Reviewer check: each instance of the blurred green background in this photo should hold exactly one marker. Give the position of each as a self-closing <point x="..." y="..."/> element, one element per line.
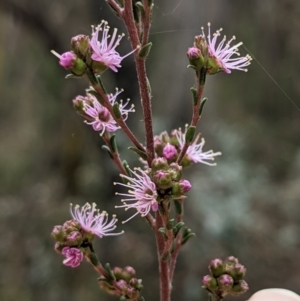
<point x="247" y="206"/>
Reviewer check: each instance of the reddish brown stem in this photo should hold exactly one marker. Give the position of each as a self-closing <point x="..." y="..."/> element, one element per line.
<point x="120" y="121"/>
<point x="116" y="7"/>
<point x="115" y="155"/>
<point x="142" y="77"/>
<point x="195" y="118"/>
<point x="165" y="285"/>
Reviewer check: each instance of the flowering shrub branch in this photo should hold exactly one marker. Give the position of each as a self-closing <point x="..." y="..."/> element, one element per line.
<point x="158" y="186"/>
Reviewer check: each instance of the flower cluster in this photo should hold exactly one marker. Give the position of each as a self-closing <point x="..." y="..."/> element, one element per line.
<point x="169" y="147"/>
<point x="97" y="115"/>
<point x="162" y="181"/>
<point x="74" y="235"/>
<point x="92" y="53"/>
<point x="226" y="277"/>
<point x="125" y="283"/>
<point x="206" y="52"/>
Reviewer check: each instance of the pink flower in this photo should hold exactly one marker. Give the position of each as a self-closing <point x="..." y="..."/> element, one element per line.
<point x="223" y="52"/>
<point x="102" y="120"/>
<point x="91" y="220"/>
<point x="104" y="50"/>
<point x="67" y="60"/>
<point x="73" y="257"/>
<point x="194" y="151"/>
<point x="185" y="185"/>
<point x="169" y="151"/>
<point x="142" y="192"/>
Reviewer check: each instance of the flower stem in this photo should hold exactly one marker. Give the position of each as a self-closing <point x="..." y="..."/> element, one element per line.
<point x="141" y="71"/>
<point x="200" y="81"/>
<point x="165" y="285"/>
<point x="115" y="154"/>
<point x="109" y="107"/>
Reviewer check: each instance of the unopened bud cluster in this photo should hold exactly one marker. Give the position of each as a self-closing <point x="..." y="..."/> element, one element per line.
<point x="225" y="277"/>
<point x="122" y="283"/>
<point x="170" y="146"/>
<point x="167" y="178"/>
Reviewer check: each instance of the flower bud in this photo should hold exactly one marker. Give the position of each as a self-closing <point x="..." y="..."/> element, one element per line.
<point x="159" y="163"/>
<point x="162" y="179"/>
<point x="74" y="239"/>
<point x="169" y="151"/>
<point x="118" y="272"/>
<point x="195" y="57"/>
<point x="80" y="44"/>
<point x="225" y="282"/>
<point x="78" y="104"/>
<point x="185" y="186"/>
<point x="71" y="225"/>
<point x="58" y="247"/>
<point x="130" y="271"/>
<point x="210" y="282"/>
<point x="136" y="283"/>
<point x="175" y="170"/>
<point x="70" y="61"/>
<point x="217" y="267"/>
<point x="58" y="233"/>
<point x="237" y="271"/>
<point x="239" y="288"/>
<point x="231" y="260"/>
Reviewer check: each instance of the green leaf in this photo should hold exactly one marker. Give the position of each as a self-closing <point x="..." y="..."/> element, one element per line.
<point x="203" y="101"/>
<point x="110" y="272"/>
<point x="145" y="50"/>
<point x="140" y="7"/>
<point x="163" y="231"/>
<point x="202" y="76"/>
<point x="194" y="92"/>
<point x="177" y="228"/>
<point x="126" y="167"/>
<point x="190" y="133"/>
<point x="116" y="111"/>
<point x="106" y="148"/>
<point x="142" y="154"/>
<point x="178" y="207"/>
<point x="71" y="75"/>
<point x="113" y="143"/>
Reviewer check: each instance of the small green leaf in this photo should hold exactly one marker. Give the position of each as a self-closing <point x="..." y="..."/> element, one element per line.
<point x="99" y="80"/>
<point x="187" y="234"/>
<point x="140" y="7"/>
<point x="142" y="154"/>
<point x="203" y="101"/>
<point x="145" y="50"/>
<point x="113" y="143"/>
<point x="170" y="224"/>
<point x="116" y="111"/>
<point x="177" y="228"/>
<point x="126" y="167"/>
<point x="192" y="67"/>
<point x="190" y="133"/>
<point x="110" y="272"/>
<point x="163" y="231"/>
<point x="71" y="75"/>
<point x="178" y="207"/>
<point x="194" y="92"/>
<point x="106" y="148"/>
<point x="149" y="86"/>
<point x="202" y="76"/>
